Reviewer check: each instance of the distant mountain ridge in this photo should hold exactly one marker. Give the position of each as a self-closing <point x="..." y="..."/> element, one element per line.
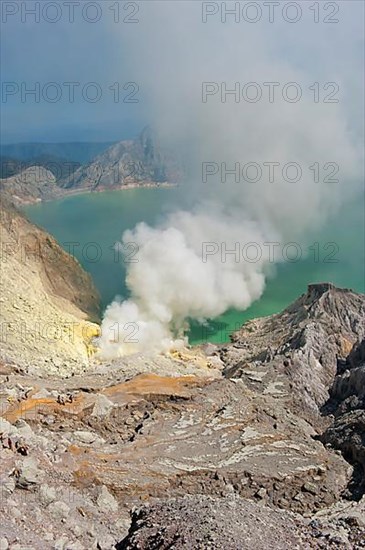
<point x="129" y="163"/>
<point x="142" y="162"/>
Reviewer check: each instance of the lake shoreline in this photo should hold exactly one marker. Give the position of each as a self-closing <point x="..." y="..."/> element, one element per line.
<point x="95" y="222"/>
<point x="89" y="191"/>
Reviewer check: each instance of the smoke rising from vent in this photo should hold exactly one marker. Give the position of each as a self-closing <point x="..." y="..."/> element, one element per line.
<point x="173" y="54"/>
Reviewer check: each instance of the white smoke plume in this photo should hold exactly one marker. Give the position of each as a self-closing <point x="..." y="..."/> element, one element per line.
<point x="172" y="54"/>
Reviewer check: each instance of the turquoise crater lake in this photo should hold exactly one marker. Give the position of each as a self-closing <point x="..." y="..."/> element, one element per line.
<point x="89" y="225"/>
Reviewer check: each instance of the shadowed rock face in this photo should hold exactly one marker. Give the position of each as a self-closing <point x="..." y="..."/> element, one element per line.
<point x="229" y="456"/>
<point x="347" y="403"/>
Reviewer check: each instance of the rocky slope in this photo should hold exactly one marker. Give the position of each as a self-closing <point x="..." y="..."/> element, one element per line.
<point x="229" y="447"/>
<point x="298" y="351"/>
<point x="33" y="184"/>
<point x="46" y="299"/>
<point x="232" y="523"/>
<point x="138" y="162"/>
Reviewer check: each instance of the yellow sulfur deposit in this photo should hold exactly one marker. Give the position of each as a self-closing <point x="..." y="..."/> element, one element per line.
<point x="87" y="332"/>
<point x="194" y="356"/>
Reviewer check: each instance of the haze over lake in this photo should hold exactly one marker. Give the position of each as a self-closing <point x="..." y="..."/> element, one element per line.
<point x="89" y="225"/>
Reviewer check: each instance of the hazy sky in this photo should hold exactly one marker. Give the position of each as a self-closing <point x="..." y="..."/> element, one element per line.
<point x="93" y="48"/>
<point x="62" y="52"/>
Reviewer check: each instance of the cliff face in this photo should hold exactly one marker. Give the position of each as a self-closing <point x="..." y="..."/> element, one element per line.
<point x="234" y="447"/>
<point x="46" y="299"/>
<point x="347" y="404"/>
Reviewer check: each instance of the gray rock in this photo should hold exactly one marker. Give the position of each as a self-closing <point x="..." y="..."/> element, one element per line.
<point x="102" y="406"/>
<point x="76" y="530"/>
<point x="7" y="485"/>
<point x="85" y="437"/>
<point x="106" y="501"/>
<point x="16" y="513"/>
<point x="122" y="526"/>
<point x="6" y="428"/>
<point x="25" y="431"/>
<point x="106" y="542"/>
<point x="4" y="545"/>
<point x="74" y="546"/>
<point x="59" y="508"/>
<point x="40" y="394"/>
<point x="310" y="488"/>
<point x="261" y="493"/>
<point x="47" y="494"/>
<point x="60" y="543"/>
<point x="30" y="475"/>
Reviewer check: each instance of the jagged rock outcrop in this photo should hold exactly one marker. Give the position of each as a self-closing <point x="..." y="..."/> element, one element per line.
<point x="347" y="404"/>
<point x="47" y="300"/>
<point x="298" y="351"/>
